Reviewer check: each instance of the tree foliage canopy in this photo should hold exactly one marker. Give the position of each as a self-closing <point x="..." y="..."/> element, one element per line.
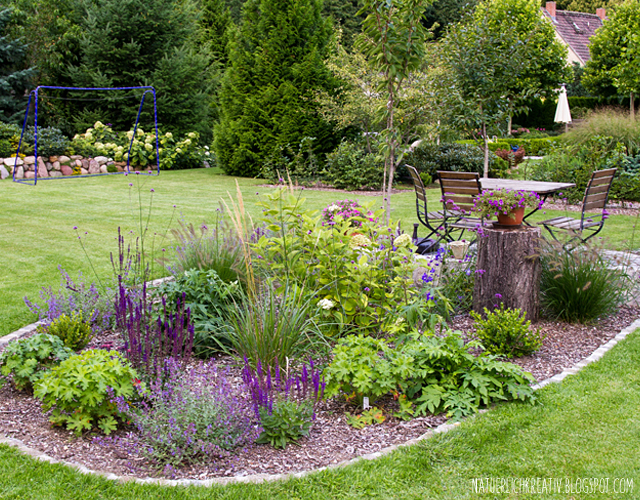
<point x="614" y="67"/>
<point x="15" y="77"/>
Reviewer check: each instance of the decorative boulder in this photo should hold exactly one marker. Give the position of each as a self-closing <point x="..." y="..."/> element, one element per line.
<point x="10" y="162"/>
<point x="94" y="167"/>
<point x="66" y="170"/>
<point x="4" y="173"/>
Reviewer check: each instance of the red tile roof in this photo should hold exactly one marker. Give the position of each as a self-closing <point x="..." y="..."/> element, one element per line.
<point x="575" y="28"/>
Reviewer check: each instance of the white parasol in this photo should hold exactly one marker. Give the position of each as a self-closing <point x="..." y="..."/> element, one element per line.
<point x="563" y="113"/>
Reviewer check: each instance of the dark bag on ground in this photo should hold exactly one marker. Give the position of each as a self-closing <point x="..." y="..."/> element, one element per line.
<point x="426" y="245"/>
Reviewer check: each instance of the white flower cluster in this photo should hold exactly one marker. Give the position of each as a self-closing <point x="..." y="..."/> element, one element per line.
<point x="326" y="304"/>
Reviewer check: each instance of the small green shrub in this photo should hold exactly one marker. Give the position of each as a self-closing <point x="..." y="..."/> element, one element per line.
<point x="210" y="301"/>
<point x="455" y="157"/>
<point x="9" y="130"/>
<point x="580" y="286"/>
<point x="6" y="150"/>
<point x="287" y="422"/>
<point x="80" y="389"/>
<point x="51" y="141"/>
<point x="351" y="167"/>
<point x="506" y="333"/>
<point x="365" y="367"/>
<point x="286" y="163"/>
<point x="72" y="330"/>
<point x="430" y="374"/>
<point x="26" y="360"/>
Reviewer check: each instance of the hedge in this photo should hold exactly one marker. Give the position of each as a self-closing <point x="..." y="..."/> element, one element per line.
<point x="532" y="147"/>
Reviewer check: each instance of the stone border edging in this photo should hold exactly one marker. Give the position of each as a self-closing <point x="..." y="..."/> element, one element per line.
<point x="259" y="478"/>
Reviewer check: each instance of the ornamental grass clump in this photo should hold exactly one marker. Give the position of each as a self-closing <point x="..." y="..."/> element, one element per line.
<point x="580" y="286"/>
<point x="504" y="201"/>
<point x="185" y="417"/>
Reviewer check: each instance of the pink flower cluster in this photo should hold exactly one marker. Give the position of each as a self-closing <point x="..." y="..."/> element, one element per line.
<point x="346" y="209"/>
<point x="493" y="202"/>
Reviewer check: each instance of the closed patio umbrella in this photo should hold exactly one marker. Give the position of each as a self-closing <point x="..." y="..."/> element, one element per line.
<point x="563" y="113"/>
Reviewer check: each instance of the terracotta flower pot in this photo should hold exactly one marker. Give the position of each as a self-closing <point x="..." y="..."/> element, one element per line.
<point x="510" y="220"/>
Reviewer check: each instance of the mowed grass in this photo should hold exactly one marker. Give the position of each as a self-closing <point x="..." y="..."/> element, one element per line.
<point x="37" y="236"/>
<point x="584" y="428"/>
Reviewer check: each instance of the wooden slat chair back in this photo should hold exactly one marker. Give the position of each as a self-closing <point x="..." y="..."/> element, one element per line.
<point x="595" y="198"/>
<point x="459" y="190"/>
<point x="434" y="220"/>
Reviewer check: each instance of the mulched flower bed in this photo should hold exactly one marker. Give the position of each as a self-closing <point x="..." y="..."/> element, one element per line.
<point x="331" y="440"/>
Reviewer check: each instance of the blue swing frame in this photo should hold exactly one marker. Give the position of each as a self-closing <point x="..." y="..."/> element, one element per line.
<point x="34" y="93"/>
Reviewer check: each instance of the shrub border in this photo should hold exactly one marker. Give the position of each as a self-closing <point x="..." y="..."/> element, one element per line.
<point x="260" y="478"/>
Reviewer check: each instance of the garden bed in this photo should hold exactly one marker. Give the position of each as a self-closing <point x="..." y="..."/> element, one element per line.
<point x="331" y="440"/>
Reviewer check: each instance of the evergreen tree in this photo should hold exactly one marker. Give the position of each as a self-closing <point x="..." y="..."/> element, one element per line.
<point x="445" y="13"/>
<point x="215" y="21"/>
<point x="344" y="14"/>
<point x="267" y="94"/>
<point x="15" y="78"/>
<point x="128" y="43"/>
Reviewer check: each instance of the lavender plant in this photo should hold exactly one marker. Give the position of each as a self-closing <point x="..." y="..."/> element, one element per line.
<point x="187" y="417"/>
<point x="75" y="297"/>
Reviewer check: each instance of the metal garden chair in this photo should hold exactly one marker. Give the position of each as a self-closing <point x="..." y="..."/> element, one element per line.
<point x="433" y="221"/>
<point x="595" y="198"/>
<point x="458" y="192"/>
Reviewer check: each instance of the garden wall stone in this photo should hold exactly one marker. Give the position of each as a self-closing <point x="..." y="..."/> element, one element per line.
<point x="57" y="166"/>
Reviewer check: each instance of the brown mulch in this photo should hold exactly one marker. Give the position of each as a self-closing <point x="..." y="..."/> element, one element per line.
<point x="331" y="440"/>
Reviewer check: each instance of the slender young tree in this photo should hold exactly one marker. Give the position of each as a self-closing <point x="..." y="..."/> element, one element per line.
<point x="394" y="42"/>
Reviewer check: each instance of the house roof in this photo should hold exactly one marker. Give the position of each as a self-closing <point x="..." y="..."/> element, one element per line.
<point x="575" y="28"/>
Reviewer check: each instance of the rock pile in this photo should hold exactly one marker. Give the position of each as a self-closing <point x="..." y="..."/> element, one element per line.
<point x="58" y="166"/>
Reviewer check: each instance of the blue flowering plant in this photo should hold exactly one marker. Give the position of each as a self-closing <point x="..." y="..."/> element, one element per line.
<point x="504" y="201"/>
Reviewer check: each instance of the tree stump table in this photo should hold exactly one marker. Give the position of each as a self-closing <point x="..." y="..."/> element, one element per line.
<point x="508" y="270"/>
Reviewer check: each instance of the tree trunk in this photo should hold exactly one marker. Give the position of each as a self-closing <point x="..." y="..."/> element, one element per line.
<point x="632" y="108"/>
<point x="392" y="149"/>
<point x="508" y="270"/>
<point x="486" y="150"/>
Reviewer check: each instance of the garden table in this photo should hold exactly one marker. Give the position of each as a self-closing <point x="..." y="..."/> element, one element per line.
<point x="543" y="189"/>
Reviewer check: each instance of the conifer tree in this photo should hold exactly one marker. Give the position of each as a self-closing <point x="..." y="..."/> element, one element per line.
<point x="14" y="76"/>
<point x="267" y="93"/>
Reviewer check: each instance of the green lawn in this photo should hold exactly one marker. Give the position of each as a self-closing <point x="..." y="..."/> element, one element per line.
<point x="586" y="427"/>
<point x="37" y="235"/>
